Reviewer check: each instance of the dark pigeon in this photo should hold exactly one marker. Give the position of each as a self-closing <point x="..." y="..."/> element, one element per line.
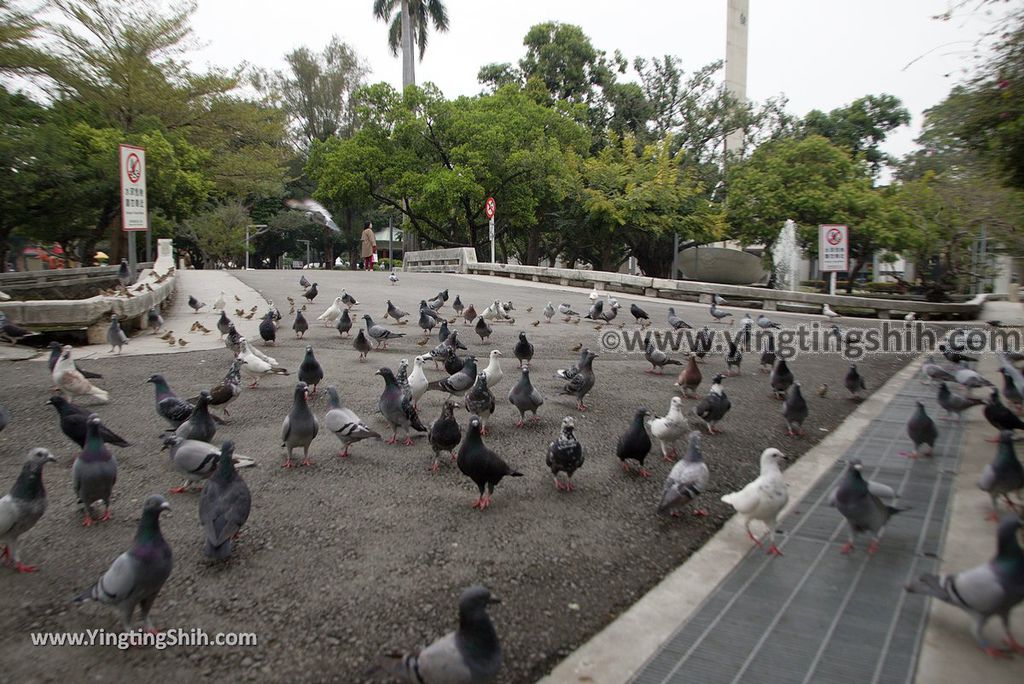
<point x="523" y="350"/>
<point x="525" y="397"/>
<point x="397" y="408"/>
<point x="94" y="473"/>
<point x="781" y="378"/>
<point x="954" y="403"/>
<point x="565" y="455"/>
<point x="73" y="421"/>
<point x="713" y="407"/>
<point x="999" y="416"/>
<point x="854" y="381"/>
<point x="583" y="381"/>
<point x="635" y="443"/>
<point x="310" y="370"/>
<point x="1004" y="475"/>
<point x="223" y="506"/>
<point x="223" y="323"/>
<point x="300" y="325"/>
<point x="860" y="502"/>
<point x="195" y="304"/>
<point x="483" y="329"/>
<point x="444" y="433"/>
<point x="482" y="465"/>
<point x="361" y="344"/>
<point x="344" y="323"/>
<point x="300" y="426"/>
<point x="922" y="432"/>
<point x="638" y="313"/>
<point x="200" y="425"/>
<point x="124" y="275"/>
<point x="154" y="320"/>
<point x="268" y="331"/>
<point x="794" y="410"/>
<point x="311" y="293"/>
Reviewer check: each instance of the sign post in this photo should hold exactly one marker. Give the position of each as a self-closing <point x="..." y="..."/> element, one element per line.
<point x="489" y="208"/>
<point x="833" y="251"/>
<point x="134" y="210"/>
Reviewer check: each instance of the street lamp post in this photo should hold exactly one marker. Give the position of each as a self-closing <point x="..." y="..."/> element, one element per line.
<point x="262" y="229"/>
<point x="307" y="250"/>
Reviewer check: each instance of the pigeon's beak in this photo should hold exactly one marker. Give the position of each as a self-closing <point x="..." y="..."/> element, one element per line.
<point x="493" y="599"/>
<point x="165" y="506"/>
<point x="51" y="458"/>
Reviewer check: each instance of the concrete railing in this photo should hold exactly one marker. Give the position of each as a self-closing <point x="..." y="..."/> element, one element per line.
<point x="18" y="282"/>
<point x="736" y="295"/>
<point x="452" y="260"/>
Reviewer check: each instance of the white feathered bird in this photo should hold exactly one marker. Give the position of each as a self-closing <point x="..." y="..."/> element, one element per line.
<point x="218" y="305"/>
<point x="667" y="429"/>
<point x="417" y="380"/>
<point x="763" y="499"/>
<point x="493" y="370"/>
<point x="332" y="313"/>
<point x="315" y="212"/>
<point x="71" y="381"/>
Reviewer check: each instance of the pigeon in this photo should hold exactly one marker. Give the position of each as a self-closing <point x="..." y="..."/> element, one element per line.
<point x="993" y="588"/>
<point x="713" y="407"/>
<point x="344" y="325"/>
<point x="635" y="444"/>
<point x="482" y="329"/>
<point x="934" y="371"/>
<point x="733" y="358"/>
<point x="594" y="294"/>
<point x="379" y="333"/>
<point x="969" y="378"/>
<point x="223" y="506"/>
<point x="398" y="409"/>
<point x="596" y="310"/>
<point x="223" y="324"/>
<point x="5" y="418"/>
<point x="525" y="397"/>
<point x="493" y="370"/>
<point x="523" y="350"/>
<point x="1000" y="417"/>
<point x="910" y="317"/>
<point x="426" y="321"/>
<point x="827" y="311"/>
<point x="747" y="328"/>
<point x="137" y="575"/>
<point x="311" y="293"/>
<point x="300" y="326"/>
<point x="393" y="277"/>
<point x="331" y="313"/>
<point x="94" y="472"/>
<point x="781" y="378"/>
<point x="459" y="383"/>
<point x="200" y="425"/>
<point x="395" y="313"/>
<point x="480" y="401"/>
<point x="468" y="315"/>
<point x="702" y="343"/>
<point x="195" y="304"/>
<point x="1010" y="391"/>
<point x="566" y="311"/>
<point x="70" y="380"/>
<point x="954" y="356"/>
<point x="954" y="403"/>
<point x="573" y="370"/>
<point x="417" y="380"/>
<point x="257" y="364"/>
<point x="854" y="381"/>
<point x="583" y="381"/>
<point x="344" y="423"/>
<point x="361" y="344"/>
<point x="315" y="212"/>
<point x="638" y="313"/>
<point x="669" y="428"/>
<point x="154" y="320"/>
<point x="227" y="390"/>
<point x="1003" y="475"/>
<point x="444" y="434"/>
<point x="549" y="312"/>
<point x="717" y="299"/>
<point x="766" y="323"/>
<point x="10" y="332"/>
<point x="469" y="655"/>
<point x="169" y="406"/>
<point x="300" y="427"/>
<point x="860" y="502"/>
<point x="676" y="322"/>
<point x="124" y="274"/>
<point x="717" y="315"/>
<point x="74" y="419"/>
<point x="347" y="299"/>
<point x="458" y="306"/>
<point x="657" y="358"/>
<point x="686" y="481"/>
<point x="310" y="370"/>
<point x="268" y="331"/>
<point x="482" y="465"/>
<point x="55" y="351"/>
<point x="768" y="355"/>
<point x="565" y="455"/>
<point x="193" y="459"/>
<point x="794" y="411"/>
<point x="219" y="303"/>
<point x="922" y="432"/>
<point x="22" y="508"/>
<point x="402" y="376"/>
<point x="689" y="379"/>
<point x="303" y="283"/>
<point x="763" y="499"/>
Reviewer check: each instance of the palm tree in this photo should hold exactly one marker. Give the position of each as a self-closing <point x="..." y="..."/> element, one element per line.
<point x="409" y="27"/>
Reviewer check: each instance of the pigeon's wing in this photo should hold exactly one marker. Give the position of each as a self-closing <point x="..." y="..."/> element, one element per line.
<point x="747" y="499"/>
<point x="74" y="382"/>
<point x="987" y="479"/>
<point x="881" y="491"/>
<point x="285" y="429"/>
<point x="442" y="661"/>
<point x="118" y="581"/>
<point x="8" y="514"/>
<point x="225" y="511"/>
<point x="978" y="589"/>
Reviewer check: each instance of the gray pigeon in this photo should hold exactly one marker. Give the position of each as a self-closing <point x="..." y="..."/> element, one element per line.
<point x="854" y="381"/>
<point x="223" y="323"/>
<point x="115" y="336"/>
<point x="717" y="315"/>
<point x="993" y="588"/>
<point x="469" y="655"/>
<point x="713" y="407"/>
<point x="733" y="358"/>
<point x="549" y="312"/>
<point x="300" y="325"/>
<point x="379" y="333"/>
<point x="768" y="355"/>
<point x="344" y="422"/>
<point x="657" y="358"/>
<point x="344" y="323"/>
<point x="397" y="408"/>
<point x="94" y="472"/>
<point x="444" y="433"/>
<point x="482" y="329"/>
<point x="200" y="425"/>
<point x="676" y="322"/>
<point x="567" y="311"/>
<point x="310" y="370"/>
<point x="361" y="344"/>
<point x="766" y="323"/>
<point x="223" y="506"/>
<point x="480" y="401"/>
<point x="860" y="502"/>
<point x="583" y="381"/>
<point x="525" y="397"/>
<point x="169" y="406"/>
<point x="24" y="506"/>
<point x="458" y="306"/>
<point x="523" y="350"/>
<point x="794" y="410"/>
<point x="458" y="383"/>
<point x="194" y="460"/>
<point x="300" y="427"/>
<point x="395" y="313"/>
<point x="781" y="378"/>
<point x="686" y="481"/>
<point x="427" y="320"/>
<point x="954" y="403"/>
<point x="195" y="304"/>
<point x="482" y="465"/>
<point x="565" y="455"/>
<point x="1003" y="475"/>
<point x="137" y="575"/>
<point x="936" y="372"/>
<point x="154" y="320"/>
<point x="124" y="274"/>
<point x="922" y="432"/>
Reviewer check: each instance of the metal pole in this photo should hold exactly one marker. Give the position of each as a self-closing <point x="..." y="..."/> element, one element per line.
<point x="832" y="283"/>
<point x="491" y="231"/>
<point x="391" y="242"/>
<point x="247" y="248"/>
<point x="149" y="245"/>
<point x="132" y="261"/>
<point x="675" y="256"/>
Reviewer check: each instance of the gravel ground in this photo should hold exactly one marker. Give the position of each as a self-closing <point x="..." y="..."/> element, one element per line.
<point x="352" y="558"/>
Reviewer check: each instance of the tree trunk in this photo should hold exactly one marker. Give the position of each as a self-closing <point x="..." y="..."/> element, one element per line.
<point x="858" y="263"/>
<point x="533" y="246"/>
<point x="408" y="48"/>
<point x="328" y="249"/>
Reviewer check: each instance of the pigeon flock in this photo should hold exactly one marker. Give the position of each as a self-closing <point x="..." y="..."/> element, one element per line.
<point x="452" y="393"/>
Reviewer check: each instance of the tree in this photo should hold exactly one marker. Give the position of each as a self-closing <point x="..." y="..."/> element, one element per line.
<point x="19" y="30"/>
<point x="860" y="127"/>
<point x="411" y="28"/>
<point x="218" y="234"/>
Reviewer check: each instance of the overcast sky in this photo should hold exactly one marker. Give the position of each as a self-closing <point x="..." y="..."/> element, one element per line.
<point x="820" y="54"/>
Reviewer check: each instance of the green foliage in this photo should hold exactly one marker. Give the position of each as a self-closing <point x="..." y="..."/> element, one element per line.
<point x="860" y="127"/>
<point x="218" y="234"/>
<point x="424" y="13"/>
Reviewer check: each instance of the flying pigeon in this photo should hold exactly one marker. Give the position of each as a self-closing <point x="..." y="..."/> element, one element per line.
<point x="713" y="407"/>
<point x="763" y="499"/>
<point x="524" y="396"/>
<point x="137" y="575"/>
<point x="310" y="370"/>
<point x="686" y="481"/>
<point x="300" y="426"/>
<point x="94" y="472"/>
<point x="794" y="411"/>
<point x="565" y="455"/>
<point x="1003" y="475"/>
<point x="860" y="502"/>
<point x="635" y="444"/>
<point x="482" y="465"/>
<point x="22" y="508"/>
<point x="74" y="419"/>
<point x="690" y="379"/>
<point x="344" y="423"/>
<point x="223" y="506"/>
<point x="669" y="428"/>
<point x="922" y="432"/>
<point x="315" y="212"/>
<point x="70" y="380"/>
<point x="397" y="408"/>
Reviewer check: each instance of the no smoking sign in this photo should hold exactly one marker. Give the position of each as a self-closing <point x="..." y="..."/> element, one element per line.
<point x="833" y="248"/>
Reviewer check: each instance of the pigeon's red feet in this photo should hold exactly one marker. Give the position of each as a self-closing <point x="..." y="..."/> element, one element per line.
<point x="994" y="652"/>
<point x="668" y="458"/>
<point x="519" y="423"/>
<point x="88" y="521"/>
<point x="873" y="547"/>
<point x="344" y="453"/>
<point x="649" y="370"/>
<point x="408" y="441"/>
<point x="393" y="439"/>
<point x="5" y="555"/>
<point x="625" y="466"/>
<point x="754" y="539"/>
<point x="483" y="431"/>
<point x="569" y="486"/>
<point x="675" y="514"/>
<point x="536" y="418"/>
<point x="581" y="406"/>
<point x="455" y="457"/>
<point x="992" y="516"/>
<point x="178" y="490"/>
<point x="1013" y="645"/>
<point x="105" y="516"/>
<point x="288" y="464"/>
<point x="846" y="548"/>
<point x="21" y="567"/>
<point x="773" y="550"/>
<point x="435" y="466"/>
<point x="909" y="454"/>
<point x="643" y="472"/>
<point x="992" y="440"/>
<point x="307" y="461"/>
<point x="701" y="512"/>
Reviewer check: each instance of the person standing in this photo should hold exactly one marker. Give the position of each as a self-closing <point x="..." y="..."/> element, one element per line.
<point x="369" y="246"/>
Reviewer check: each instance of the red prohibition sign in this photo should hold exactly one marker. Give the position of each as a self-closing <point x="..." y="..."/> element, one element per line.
<point x="489" y="206"/>
<point x="834" y="236"/>
<point x="134" y="168"/>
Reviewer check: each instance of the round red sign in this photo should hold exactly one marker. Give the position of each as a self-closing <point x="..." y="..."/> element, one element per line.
<point x="134" y="167"/>
<point x="834" y="236"/>
<point x="489" y="207"/>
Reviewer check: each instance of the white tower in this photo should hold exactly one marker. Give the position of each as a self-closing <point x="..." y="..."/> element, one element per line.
<point x="737" y="20"/>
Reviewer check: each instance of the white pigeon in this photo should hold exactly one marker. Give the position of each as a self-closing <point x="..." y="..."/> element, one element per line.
<point x="218" y="304"/>
<point x="252" y="365"/>
<point x="549" y="312"/>
<point x="493" y="312"/>
<point x="826" y="310"/>
<point x="4" y="296"/>
<point x="393" y="277"/>
<point x="493" y="370"/>
<point x="417" y="380"/>
<point x="315" y="212"/>
<point x="763" y="499"/>
<point x="594" y="294"/>
<point x="910" y="316"/>
<point x="71" y="381"/>
<point x="332" y="313"/>
<point x="669" y="428"/>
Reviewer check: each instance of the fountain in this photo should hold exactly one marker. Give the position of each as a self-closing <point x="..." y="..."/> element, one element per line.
<point x="786" y="258"/>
